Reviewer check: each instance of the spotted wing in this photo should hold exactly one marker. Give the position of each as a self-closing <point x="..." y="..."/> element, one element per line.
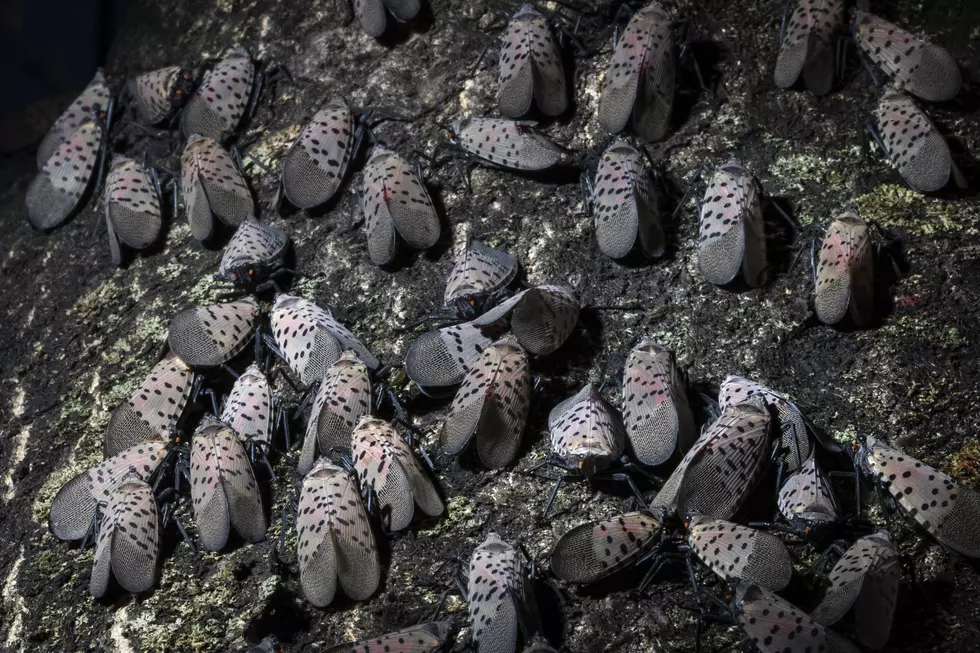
<point x="218" y="105"/>
<point x="426" y="496"/>
<point x="209" y="336"/>
<point x="807" y="45"/>
<point x="211" y="510"/>
<point x="516" y="82"/>
<point x="129" y="542"/>
<point x="132" y="205"/>
<point x="505" y="410"/>
<point x="60" y="184"/>
<point x="776" y="626"/>
<point x="239" y="486"/>
<point x="225" y="188"/>
<point x="379" y="472"/>
<point x="466" y="412"/>
<point x="440" y="358"/>
<point x="545" y="318"/>
<point x="652" y="110"/>
<point x="948" y="510"/>
<point x="154" y="407"/>
<point x="913" y="143"/>
<point x="845" y="254"/>
<point x="510" y="144"/>
<point x="319" y="505"/>
<point x="192" y="190"/>
<point x="479" y="270"/>
<point x="621" y="83"/>
<point x="249" y="407"/>
<point x="253" y="243"/>
<point x="656" y="413"/>
<point x="93" y="99"/>
<point x="314" y="166"/>
<point x="396" y="200"/>
<point x="423" y="638"/>
<point x="550" y="92"/>
<point x="309" y="349"/>
<point x="588" y="428"/>
<point x="593" y="551"/>
<point x="727" y="205"/>
<point x="152" y="93"/>
<point x="733" y="551"/>
<point x="807" y="495"/>
<point x="343" y="398"/>
<point x="495" y="587"/>
<point x="916" y="65"/>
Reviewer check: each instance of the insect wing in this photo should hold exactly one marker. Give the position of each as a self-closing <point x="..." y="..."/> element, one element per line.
<point x="625" y="204"/>
<point x="479" y="270"/>
<point x="593" y="551"/>
<point x="440" y="358"/>
<point x="807" y="495"/>
<point x="253" y="243"/>
<point x="132" y="205"/>
<point x="423" y="638"/>
<point x="209" y="336"/>
<point x="371" y="15"/>
<point x="218" y="105"/>
<point x="495" y="587"/>
<point x="248" y="409"/>
<point x="845" y="255"/>
<point x="622" y="80"/>
<point x="733" y="551"/>
<point x="731" y="236"/>
<point x="129" y="542"/>
<point x="655" y="98"/>
<point x="913" y="143"/>
<point x="794" y="435"/>
<point x="60" y="184"/>
<point x="516" y="82"/>
<point x="152" y="91"/>
<point x="586" y="428"/>
<point x="95" y="97"/>
<point x="314" y="166"/>
<point x="508" y="143"/>
<point x="806" y="47"/>
<point x="545" y="318"/>
<point x="224" y="187"/>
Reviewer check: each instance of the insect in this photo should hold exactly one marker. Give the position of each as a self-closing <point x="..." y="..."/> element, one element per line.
<point x="129" y="540"/>
<point x="775" y="626"/>
<point x="496" y="595"/>
<point x="253" y="259"/>
<point x="315" y="165"/>
<point x="656" y="413"/>
<point x="392" y="474"/>
<point x="507" y="143"/>
<point x="946" y="509"/>
<point x="423" y="638"/>
<point x="212" y="186"/>
<point x="592" y="551"/>
<point x="492" y="405"/>
<point x="224" y="493"/>
<point x="210" y="336"/>
<point x="479" y="274"/>
<point x="732" y="233"/>
<point x="343" y="398"/>
<point x="217" y="107"/>
<point x="309" y="339"/>
<point x="844" y="276"/>
<point x="531" y="67"/>
<point x="917" y="66"/>
<point x="912" y="143"/>
<point x="371" y="13"/>
<point x="866" y="578"/>
<point x="640" y="78"/>
<point x="438" y="360"/>
<point x="626" y="208"/>
<point x="807" y="45"/>
<point x="94" y="100"/>
<point x="807" y="501"/>
<point x="541" y="318"/>
<point x="585" y="430"/>
<point x="716" y="476"/>
<point x="395" y="202"/>
<point x="74" y="511"/>
<point x="132" y="206"/>
<point x="158" y="93"/>
<point x="154" y="408"/>
<point x="335" y="538"/>
<point x="57" y="190"/>
<point x="734" y="552"/>
<point x="250" y="408"/>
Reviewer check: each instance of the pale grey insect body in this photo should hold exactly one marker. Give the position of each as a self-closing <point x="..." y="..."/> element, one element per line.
<point x="626" y="205"/>
<point x="531" y="67"/>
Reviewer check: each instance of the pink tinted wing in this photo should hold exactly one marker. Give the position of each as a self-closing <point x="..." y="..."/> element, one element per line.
<point x="357" y="553"/>
<point x="211" y="510"/>
<point x="134" y="543"/>
<point x="467" y="409"/>
<point x="655" y="410"/>
<point x="593" y="551"/>
<point x="314" y="166"/>
<point x="408" y="203"/>
<point x="550" y="92"/>
<point x="423" y="638"/>
<point x="152" y="92"/>
<point x="253" y="243"/>
<point x="913" y="143"/>
<point x="440" y="358"/>
<point x="734" y="552"/>
<point x="208" y="336"/>
<point x="807" y="495"/>
<point x="219" y="103"/>
<point x="380" y="472"/>
<point x="248" y="409"/>
<point x="722" y="238"/>
<point x="94" y="99"/>
<point x="321" y="493"/>
<point x="505" y="410"/>
<point x="56" y="191"/>
<point x="516" y="80"/>
<point x="423" y="490"/>
<point x="240" y="488"/>
<point x="228" y="195"/>
<point x="494" y="587"/>
<point x="132" y="205"/>
<point x="510" y="144"/>
<point x="195" y="200"/>
<point x="834" y="272"/>
<point x="652" y="110"/>
<point x="622" y="80"/>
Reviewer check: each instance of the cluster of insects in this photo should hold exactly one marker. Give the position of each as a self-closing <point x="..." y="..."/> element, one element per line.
<point x="363" y="471"/>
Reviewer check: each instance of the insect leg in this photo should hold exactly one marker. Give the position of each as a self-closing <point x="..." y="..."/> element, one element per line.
<point x="551" y="497"/>
<point x="183" y="533"/>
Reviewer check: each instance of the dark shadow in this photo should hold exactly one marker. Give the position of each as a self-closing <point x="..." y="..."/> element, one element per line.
<point x="397" y="33"/>
<point x="777" y="213"/>
<point x="283" y="616"/>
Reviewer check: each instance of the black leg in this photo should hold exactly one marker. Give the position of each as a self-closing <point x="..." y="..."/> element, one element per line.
<point x="551" y="497"/>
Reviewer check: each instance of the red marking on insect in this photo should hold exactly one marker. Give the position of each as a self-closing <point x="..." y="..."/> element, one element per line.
<point x="911" y="301"/>
<point x="387" y="195"/>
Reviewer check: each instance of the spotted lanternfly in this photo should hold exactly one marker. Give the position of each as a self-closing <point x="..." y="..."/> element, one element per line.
<point x="132" y="207"/>
<point x="497" y="594"/>
<point x="249" y="408"/>
<point x="492" y="404"/>
<point x="395" y="202"/>
<point x="656" y="413"/>
<point x="806" y="499"/>
<point x="95" y="99"/>
<point x="640" y="77"/>
<point x="438" y="360"/>
<point x="733" y="234"/>
<point x="593" y="551"/>
<point x="73" y="511"/>
<point x="219" y="103"/>
<point x="507" y="143"/>
<point x="794" y="434"/>
<point x="912" y="143"/>
<point x="343" y="398"/>
<point x="387" y="467"/>
<point x="807" y="48"/>
<point x="315" y="165"/>
<point x="739" y="552"/>
<point x="371" y="13"/>
<point x="212" y="186"/>
<point x="153" y="409"/>
<point x="209" y="336"/>
<point x="311" y="339"/>
<point x="57" y="190"/>
<point x="917" y="66"/>
<point x="478" y="273"/>
<point x="775" y="626"/>
<point x="531" y="67"/>
<point x="223" y="488"/>
<point x="716" y="476"/>
<point x="845" y="272"/>
<point x="541" y="318"/>
<point x="129" y="540"/>
<point x="585" y="430"/>
<point x="866" y="578"/>
<point x="160" y="92"/>
<point x="947" y="510"/>
<point x="626" y="207"/>
<point x="335" y="538"/>
<point x="423" y="638"/>
<point x="254" y="257"/>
